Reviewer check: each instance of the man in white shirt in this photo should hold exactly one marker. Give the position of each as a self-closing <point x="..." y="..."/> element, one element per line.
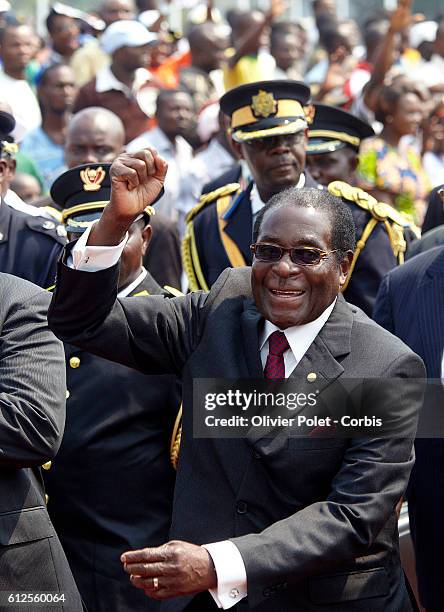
<point x="126" y="87"/>
<point x="18" y="44"/>
<point x="292" y="524"/>
<point x="174" y="114"/>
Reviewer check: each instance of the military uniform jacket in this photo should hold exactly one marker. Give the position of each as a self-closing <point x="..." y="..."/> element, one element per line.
<point x="111" y="486"/>
<point x="29" y="246"/>
<point x="219" y="234"/>
<point x="314" y="518"/>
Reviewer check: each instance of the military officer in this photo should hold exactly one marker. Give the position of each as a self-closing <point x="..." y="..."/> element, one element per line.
<point x="269" y="120"/>
<point x="382" y="233"/>
<point x="111" y="486"/>
<point x="29" y="245"/>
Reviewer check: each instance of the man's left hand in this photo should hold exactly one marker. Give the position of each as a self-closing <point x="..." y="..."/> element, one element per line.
<point x="174" y="569"/>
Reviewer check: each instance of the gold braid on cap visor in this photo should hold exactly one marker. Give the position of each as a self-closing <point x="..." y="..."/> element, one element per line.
<point x="9" y="149"/>
<point x="295" y="118"/>
<point x="342" y="136"/>
<point x="73" y="210"/>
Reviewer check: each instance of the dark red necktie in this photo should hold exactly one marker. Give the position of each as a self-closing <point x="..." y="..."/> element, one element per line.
<point x="275" y="367"/>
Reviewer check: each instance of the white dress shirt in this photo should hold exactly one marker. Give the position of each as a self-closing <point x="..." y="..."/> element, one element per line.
<point x="178" y="155"/>
<point x="19" y="95"/>
<point x="228" y="562"/>
<point x="256" y="201"/>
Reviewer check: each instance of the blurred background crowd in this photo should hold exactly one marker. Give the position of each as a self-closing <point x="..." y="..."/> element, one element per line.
<point x="153" y="73"/>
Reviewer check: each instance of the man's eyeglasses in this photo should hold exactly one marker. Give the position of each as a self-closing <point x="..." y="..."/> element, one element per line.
<point x="288" y="140"/>
<point x="301" y="256"/>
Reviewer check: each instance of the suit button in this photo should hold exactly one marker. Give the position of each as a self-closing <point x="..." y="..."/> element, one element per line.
<point x="256" y="455"/>
<point x="241" y="507"/>
<point x="74" y="362"/>
<point x="67" y="393"/>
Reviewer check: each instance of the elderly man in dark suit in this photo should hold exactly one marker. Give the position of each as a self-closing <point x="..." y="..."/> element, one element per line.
<point x="276" y="524"/>
<point x="410" y="305"/>
<point x="32" y="416"/>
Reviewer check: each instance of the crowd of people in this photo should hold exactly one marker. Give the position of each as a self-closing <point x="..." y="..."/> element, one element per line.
<point x="251" y="198"/>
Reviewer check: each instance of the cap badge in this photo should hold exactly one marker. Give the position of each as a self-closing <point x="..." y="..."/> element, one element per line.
<point x="92" y="178"/>
<point x="263" y="105"/>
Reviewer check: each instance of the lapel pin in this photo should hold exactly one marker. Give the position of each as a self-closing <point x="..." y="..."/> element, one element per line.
<point x="311" y="377"/>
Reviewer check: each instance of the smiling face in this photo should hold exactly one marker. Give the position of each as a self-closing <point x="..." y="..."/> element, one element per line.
<point x="408" y="114"/>
<point x="276" y="162"/>
<point x="288" y="294"/>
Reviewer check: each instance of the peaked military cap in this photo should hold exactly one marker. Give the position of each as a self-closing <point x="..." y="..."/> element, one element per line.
<point x="7" y="125"/>
<point x="334" y="128"/>
<point x="82" y="193"/>
<point x="267" y="108"/>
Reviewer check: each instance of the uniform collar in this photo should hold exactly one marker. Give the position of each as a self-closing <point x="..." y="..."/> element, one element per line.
<point x="256" y="201"/>
<point x="126" y="291"/>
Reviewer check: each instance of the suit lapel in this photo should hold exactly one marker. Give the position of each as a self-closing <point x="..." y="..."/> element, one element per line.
<point x="251" y="323"/>
<point x="5" y="220"/>
<point x="239" y="225"/>
<point x="320" y="359"/>
<point x="431" y="311"/>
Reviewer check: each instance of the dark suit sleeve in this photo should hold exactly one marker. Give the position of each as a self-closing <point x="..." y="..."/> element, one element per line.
<point x="382" y="312"/>
<point x="32" y="386"/>
<point x="363" y="494"/>
<point x="153" y="334"/>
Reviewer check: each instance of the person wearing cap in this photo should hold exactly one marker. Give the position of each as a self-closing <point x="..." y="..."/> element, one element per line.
<point x="111" y="486"/>
<point x="97" y="135"/>
<point x="382" y="233"/>
<point x="268" y="128"/>
<point x="90" y="58"/>
<point x="64" y="32"/>
<point x="29" y="245"/>
<point x="126" y="86"/>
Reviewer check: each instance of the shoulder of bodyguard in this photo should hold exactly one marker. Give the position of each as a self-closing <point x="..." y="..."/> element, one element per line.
<point x="50" y="228"/>
<point x="379" y="210"/>
<point x="213" y="196"/>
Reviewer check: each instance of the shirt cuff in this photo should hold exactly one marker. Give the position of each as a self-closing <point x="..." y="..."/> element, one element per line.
<point x="231" y="574"/>
<point x="94" y="258"/>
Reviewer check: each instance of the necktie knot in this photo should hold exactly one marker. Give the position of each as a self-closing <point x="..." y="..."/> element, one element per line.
<point x="277" y="343"/>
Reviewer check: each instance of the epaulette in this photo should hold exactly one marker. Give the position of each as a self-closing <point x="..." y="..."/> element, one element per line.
<point x="207" y="198"/>
<point x="48" y="227"/>
<point x="379" y="210"/>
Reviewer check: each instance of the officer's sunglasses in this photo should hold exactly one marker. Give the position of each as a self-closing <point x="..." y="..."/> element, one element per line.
<point x="270" y="142"/>
<point x="301" y="256"/>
